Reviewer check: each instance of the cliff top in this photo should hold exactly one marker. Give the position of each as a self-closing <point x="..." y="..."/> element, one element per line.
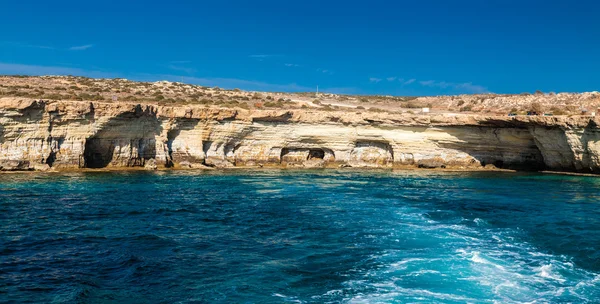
<point x="65" y="110"/>
<point x="164" y="93"/>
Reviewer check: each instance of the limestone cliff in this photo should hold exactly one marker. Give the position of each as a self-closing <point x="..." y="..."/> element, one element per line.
<point x="38" y="135"/>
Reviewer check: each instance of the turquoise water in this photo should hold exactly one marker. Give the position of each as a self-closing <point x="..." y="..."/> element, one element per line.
<point x="299" y="237"/>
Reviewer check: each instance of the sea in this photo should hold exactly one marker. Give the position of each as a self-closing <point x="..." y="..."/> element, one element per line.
<point x="294" y="236"/>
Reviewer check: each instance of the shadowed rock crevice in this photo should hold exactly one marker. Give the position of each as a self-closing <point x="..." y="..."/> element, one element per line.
<point x="311" y="157"/>
<point x="569" y="150"/>
<point x="219" y="153"/>
<point x="504" y="148"/>
<point x="230" y="149"/>
<point x="98" y="153"/>
<point x="33" y="111"/>
<point x="316" y="154"/>
<point x="206" y="146"/>
<point x="130" y="152"/>
<point x="177" y="154"/>
<point x="591" y="147"/>
<point x="127" y="140"/>
<point x="55" y="144"/>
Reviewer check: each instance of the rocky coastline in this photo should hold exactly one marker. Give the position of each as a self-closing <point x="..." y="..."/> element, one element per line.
<point x="45" y="135"/>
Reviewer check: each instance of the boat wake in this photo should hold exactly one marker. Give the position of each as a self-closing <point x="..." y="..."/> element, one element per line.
<point x="465" y="262"/>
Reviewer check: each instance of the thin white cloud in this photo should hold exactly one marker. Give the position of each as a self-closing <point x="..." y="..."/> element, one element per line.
<point x="180" y="61"/>
<point x="325" y="71"/>
<point x="26" y="45"/>
<point x="81" y="47"/>
<point x="473" y="88"/>
<point x="25" y="69"/>
<point x="408" y="81"/>
<point x="181" y="69"/>
<point x="261" y="56"/>
<point x="291" y="65"/>
<point x="467" y="87"/>
<point x="393" y="79"/>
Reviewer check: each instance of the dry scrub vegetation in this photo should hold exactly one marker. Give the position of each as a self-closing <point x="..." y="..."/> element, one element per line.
<point x="174" y="93"/>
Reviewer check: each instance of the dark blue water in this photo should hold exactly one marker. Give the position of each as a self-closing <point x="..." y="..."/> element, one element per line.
<point x="299" y="237"/>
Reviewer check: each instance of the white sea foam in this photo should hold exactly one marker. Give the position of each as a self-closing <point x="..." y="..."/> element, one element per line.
<point x="479" y="222"/>
<point x="545" y="271"/>
<point x="287" y="299"/>
<point x="476" y="257"/>
<point x="334" y="292"/>
<point x="400" y="264"/>
<point x="489" y="263"/>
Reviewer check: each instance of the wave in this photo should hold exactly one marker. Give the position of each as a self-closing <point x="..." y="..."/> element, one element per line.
<point x="467" y="262"/>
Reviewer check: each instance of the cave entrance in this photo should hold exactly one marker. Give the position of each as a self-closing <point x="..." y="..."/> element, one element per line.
<point x="305" y="155"/>
<point x="97" y="154"/>
<point x="316" y="154"/>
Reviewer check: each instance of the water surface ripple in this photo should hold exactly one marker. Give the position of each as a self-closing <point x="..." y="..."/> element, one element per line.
<point x="299" y="237"/>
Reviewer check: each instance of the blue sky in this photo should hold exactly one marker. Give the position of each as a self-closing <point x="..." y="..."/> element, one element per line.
<point x="426" y="47"/>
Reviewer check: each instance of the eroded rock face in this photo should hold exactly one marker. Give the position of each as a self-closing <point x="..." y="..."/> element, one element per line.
<point x="306" y="157"/>
<point x="371" y="154"/>
<point x="37" y="135"/>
